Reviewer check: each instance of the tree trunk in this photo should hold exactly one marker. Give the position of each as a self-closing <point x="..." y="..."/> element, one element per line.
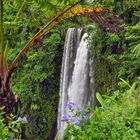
<point x="7" y="98"/>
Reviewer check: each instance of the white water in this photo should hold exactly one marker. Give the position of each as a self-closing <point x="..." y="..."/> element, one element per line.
<point x="78" y="88"/>
<point x="77" y="76"/>
<point x="90" y="1"/>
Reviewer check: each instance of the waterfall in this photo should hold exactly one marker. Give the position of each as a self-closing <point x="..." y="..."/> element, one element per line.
<point x="77" y="75"/>
<point x="77" y="90"/>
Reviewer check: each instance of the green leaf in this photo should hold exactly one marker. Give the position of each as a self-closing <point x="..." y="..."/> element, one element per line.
<point x="137" y="50"/>
<point x="125" y="82"/>
<point x="100" y="99"/>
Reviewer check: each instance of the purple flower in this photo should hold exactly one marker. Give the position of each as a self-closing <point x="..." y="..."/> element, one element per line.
<point x="82" y="110"/>
<point x="22" y="119"/>
<point x="65" y="118"/>
<point x="19" y="119"/>
<point x="11" y="137"/>
<point x="78" y="121"/>
<point x="25" y="119"/>
<point x="70" y="105"/>
<point x="69" y="116"/>
<point x="72" y="119"/>
<point x="85" y="117"/>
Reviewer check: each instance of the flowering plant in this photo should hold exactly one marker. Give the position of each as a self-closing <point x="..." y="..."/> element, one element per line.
<point x="118" y="117"/>
<point x="10" y="127"/>
<point x="76" y="115"/>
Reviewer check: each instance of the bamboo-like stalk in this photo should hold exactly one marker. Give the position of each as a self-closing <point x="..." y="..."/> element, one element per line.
<point x="1" y="38"/>
<point x="39" y="34"/>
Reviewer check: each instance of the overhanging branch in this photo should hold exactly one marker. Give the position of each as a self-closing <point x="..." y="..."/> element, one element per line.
<point x="43" y="31"/>
<point x="97" y="14"/>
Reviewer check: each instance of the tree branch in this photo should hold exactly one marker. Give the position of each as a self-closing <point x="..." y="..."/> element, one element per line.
<point x="43" y="31"/>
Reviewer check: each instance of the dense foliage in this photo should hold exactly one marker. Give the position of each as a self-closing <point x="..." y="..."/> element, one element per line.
<point x="12" y="129"/>
<point x="38" y="86"/>
<point x="39" y="93"/>
<point x="36" y="82"/>
<point x="117" y="56"/>
<point x="117" y="118"/>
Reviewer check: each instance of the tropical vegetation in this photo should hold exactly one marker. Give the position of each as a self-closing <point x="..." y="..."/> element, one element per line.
<point x="31" y="48"/>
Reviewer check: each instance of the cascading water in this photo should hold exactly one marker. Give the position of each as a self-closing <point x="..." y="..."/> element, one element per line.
<point x="77" y="75"/>
<point x="77" y="90"/>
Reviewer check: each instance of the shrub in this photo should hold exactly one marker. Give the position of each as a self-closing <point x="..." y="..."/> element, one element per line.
<point x="12" y="128"/>
<point x="118" y="117"/>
